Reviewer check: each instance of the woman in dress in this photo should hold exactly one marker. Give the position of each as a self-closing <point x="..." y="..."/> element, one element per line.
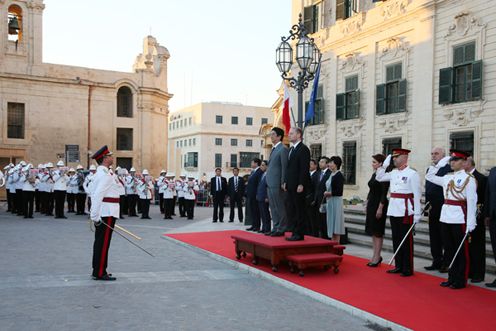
<point x="377" y="204"/>
<point x="334" y="196"/>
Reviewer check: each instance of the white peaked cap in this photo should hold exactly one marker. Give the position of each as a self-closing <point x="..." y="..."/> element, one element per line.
<point x="132" y="169"/>
<point x="22" y="163"/>
<point x="171" y="174"/>
<point x="145" y="172"/>
<point x="79" y="167"/>
<point x="72" y="170"/>
<point x="162" y="171"/>
<point x="49" y="165"/>
<point x="92" y="167"/>
<point x="60" y="163"/>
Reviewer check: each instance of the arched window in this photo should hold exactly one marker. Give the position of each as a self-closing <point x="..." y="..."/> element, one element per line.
<point x="14" y="21"/>
<point x="124" y="102"/>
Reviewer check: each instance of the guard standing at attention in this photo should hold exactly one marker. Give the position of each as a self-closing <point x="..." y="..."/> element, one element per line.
<point x="104" y="211"/>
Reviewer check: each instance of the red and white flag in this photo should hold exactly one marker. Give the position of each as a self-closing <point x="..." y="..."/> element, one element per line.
<point x="286" y="119"/>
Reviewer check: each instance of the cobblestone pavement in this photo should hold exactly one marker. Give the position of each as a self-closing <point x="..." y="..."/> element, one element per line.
<point x="45" y="283"/>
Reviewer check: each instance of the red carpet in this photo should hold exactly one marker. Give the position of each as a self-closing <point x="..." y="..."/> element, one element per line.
<point x="416" y="302"/>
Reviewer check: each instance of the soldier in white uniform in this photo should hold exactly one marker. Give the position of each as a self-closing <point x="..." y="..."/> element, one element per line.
<point x="18" y="184"/>
<point x="47" y="179"/>
<point x="161" y="184"/>
<point x="404" y="206"/>
<point x="37" y="192"/>
<point x="8" y="174"/>
<point x="168" y="197"/>
<point x="88" y="184"/>
<point x="458" y="215"/>
<point x="81" y="193"/>
<point x="145" y="192"/>
<point x="131" y="184"/>
<point x="60" y="189"/>
<point x="180" y="184"/>
<point x="28" y="190"/>
<point x="104" y="211"/>
<point x="72" y="190"/>
<point x="12" y="189"/>
<point x="190" y="189"/>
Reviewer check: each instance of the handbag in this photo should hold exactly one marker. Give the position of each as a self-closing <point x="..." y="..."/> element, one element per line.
<point x="323" y="206"/>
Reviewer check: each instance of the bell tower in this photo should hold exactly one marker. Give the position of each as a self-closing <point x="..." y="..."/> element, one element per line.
<point x="21" y="33"/>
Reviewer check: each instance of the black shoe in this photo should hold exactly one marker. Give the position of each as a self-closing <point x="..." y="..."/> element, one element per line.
<point x="268" y="233"/>
<point x="221" y="221"/>
<point x="444" y="270"/>
<point x="295" y="238"/>
<point x="260" y="231"/>
<point x="491" y="285"/>
<point x="231" y="221"/>
<point x="394" y="271"/>
<point x="240" y="221"/>
<point x="105" y="277"/>
<point x="456" y="287"/>
<point x="214" y="221"/>
<point x="406" y="274"/>
<point x="376" y="264"/>
<point x="277" y="234"/>
<point x="445" y="284"/>
<point x="477" y="280"/>
<point x="432" y="267"/>
<point x="251" y="228"/>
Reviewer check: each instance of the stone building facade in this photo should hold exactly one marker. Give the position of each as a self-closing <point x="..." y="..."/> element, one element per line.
<point x="402" y="73"/>
<point x="50" y="112"/>
<point x="215" y="134"/>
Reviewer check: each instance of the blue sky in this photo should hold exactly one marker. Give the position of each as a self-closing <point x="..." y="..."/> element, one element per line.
<point x="221" y="50"/>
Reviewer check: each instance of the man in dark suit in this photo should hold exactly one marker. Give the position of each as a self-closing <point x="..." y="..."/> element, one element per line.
<point x="218" y="190"/>
<point x="297" y="183"/>
<point x="319" y="195"/>
<point x="435" y="195"/>
<point x="251" y="194"/>
<point x="236" y="189"/>
<point x="490" y="212"/>
<point x="477" y="246"/>
<point x="311" y="208"/>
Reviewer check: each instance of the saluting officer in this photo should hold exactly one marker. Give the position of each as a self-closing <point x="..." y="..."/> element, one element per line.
<point x="458" y="216"/>
<point x="404" y="206"/>
<point x="104" y="211"/>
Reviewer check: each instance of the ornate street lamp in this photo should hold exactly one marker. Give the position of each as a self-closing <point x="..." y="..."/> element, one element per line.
<point x="307" y="56"/>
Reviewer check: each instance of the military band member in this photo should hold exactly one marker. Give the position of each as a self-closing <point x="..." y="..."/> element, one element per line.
<point x="60" y="189"/>
<point x="161" y="184"/>
<point x="19" y="183"/>
<point x="404" y="206"/>
<point x="12" y="189"/>
<point x="28" y="189"/>
<point x="190" y="190"/>
<point x="180" y="184"/>
<point x="37" y="192"/>
<point x="81" y="193"/>
<point x="168" y="197"/>
<point x="132" y="192"/>
<point x="7" y="175"/>
<point x="47" y="179"/>
<point x="88" y="184"/>
<point x="458" y="216"/>
<point x="72" y="190"/>
<point x="145" y="192"/>
<point x="104" y="209"/>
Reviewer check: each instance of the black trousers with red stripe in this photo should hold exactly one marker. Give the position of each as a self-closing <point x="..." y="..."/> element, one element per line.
<point x="404" y="258"/>
<point x="452" y="237"/>
<point x="103" y="235"/>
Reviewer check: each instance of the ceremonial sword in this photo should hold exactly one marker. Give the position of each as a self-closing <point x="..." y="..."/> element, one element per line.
<point x="406" y="236"/>
<point x="458" y="250"/>
<point x="120" y="234"/>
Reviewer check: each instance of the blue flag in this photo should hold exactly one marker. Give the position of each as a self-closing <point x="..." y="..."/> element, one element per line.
<point x="311" y="105"/>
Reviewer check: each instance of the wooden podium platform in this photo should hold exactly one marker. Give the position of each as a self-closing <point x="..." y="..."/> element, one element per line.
<point x="276" y="249"/>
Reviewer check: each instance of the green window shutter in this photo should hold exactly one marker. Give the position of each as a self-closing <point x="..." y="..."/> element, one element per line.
<point x="354" y="107"/>
<point x="341" y="106"/>
<point x="308" y="19"/>
<point x="380" y="99"/>
<point x="446" y="86"/>
<point x="477" y="80"/>
<point x="340" y="9"/>
<point x="402" y="96"/>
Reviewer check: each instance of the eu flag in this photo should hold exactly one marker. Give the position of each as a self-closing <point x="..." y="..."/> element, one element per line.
<point x="311" y="105"/>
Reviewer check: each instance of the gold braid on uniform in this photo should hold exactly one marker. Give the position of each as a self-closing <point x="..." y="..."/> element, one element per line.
<point x="455" y="191"/>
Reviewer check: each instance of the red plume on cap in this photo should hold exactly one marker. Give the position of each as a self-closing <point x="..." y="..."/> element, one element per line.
<point x="101" y="153"/>
<point x="400" y="151"/>
<point x="459" y="154"/>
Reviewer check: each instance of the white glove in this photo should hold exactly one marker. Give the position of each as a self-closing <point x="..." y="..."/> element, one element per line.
<point x="470" y="227"/>
<point x="416" y="218"/>
<point x="444" y="161"/>
<point x="97" y="222"/>
<point x="432" y="170"/>
<point x="386" y="162"/>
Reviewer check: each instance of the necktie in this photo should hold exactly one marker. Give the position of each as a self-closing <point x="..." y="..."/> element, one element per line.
<point x="236" y="184"/>
<point x="218" y="183"/>
<point x="321" y="176"/>
<point x="290" y="150"/>
<point x="271" y="151"/>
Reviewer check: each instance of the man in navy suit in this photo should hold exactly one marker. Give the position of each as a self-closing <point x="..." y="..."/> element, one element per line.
<point x="236" y="188"/>
<point x="490" y="212"/>
<point x="218" y="190"/>
<point x="434" y="194"/>
<point x="251" y="194"/>
<point x="263" y="200"/>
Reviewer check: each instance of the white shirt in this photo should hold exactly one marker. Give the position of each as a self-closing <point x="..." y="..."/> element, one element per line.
<point x="454" y="214"/>
<point x="27" y="186"/>
<point x="60" y="181"/>
<point x="145" y="190"/>
<point x="402" y="181"/>
<point x="72" y="186"/>
<point x="189" y="190"/>
<point x="106" y="185"/>
<point x="130" y="185"/>
<point x="179" y="188"/>
<point x="88" y="183"/>
<point x="168" y="191"/>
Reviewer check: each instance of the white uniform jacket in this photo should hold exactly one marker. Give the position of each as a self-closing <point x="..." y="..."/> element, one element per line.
<point x="105" y="185"/>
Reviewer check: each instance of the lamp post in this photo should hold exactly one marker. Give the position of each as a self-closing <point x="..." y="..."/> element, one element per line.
<point x="307" y="57"/>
